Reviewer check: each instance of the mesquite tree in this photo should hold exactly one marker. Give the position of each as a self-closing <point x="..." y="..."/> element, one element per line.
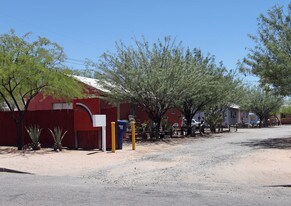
<point x="144" y="74"/>
<point x="262" y="103"/>
<point x="28" y="68"/>
<point x="270" y="59"/>
<point x="228" y="90"/>
<point x="200" y="73"/>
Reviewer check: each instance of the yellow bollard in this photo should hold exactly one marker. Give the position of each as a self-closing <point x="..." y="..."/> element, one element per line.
<point x="113" y="139"/>
<point x="133" y="135"/>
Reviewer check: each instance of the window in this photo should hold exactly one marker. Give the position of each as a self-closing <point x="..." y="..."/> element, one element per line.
<point x="57" y="106"/>
<point x="232" y="114"/>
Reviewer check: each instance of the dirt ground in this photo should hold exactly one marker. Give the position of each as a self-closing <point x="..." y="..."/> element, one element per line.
<point x="243" y="157"/>
<point x="76" y="162"/>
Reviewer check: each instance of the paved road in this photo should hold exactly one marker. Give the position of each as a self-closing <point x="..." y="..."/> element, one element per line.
<point x="181" y="175"/>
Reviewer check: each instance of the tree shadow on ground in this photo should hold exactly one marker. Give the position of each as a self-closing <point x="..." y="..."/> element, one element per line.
<point x="14" y="171"/>
<point x="278" y="186"/>
<point x="174" y="140"/>
<point x="271" y="143"/>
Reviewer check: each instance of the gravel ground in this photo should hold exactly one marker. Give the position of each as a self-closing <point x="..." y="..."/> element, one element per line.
<point x="248" y="167"/>
<point x="203" y="160"/>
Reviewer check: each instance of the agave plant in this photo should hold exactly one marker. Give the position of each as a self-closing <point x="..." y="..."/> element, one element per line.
<point x="58" y="136"/>
<point x="34" y="133"/>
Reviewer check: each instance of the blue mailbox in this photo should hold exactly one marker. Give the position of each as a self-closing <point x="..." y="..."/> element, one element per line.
<point x="121" y="129"/>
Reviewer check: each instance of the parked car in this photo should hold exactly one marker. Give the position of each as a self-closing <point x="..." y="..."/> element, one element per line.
<point x="195" y="123"/>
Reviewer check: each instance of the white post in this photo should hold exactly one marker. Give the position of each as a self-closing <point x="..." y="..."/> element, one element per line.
<point x="104" y="139"/>
<point x="100" y="121"/>
<point x="100" y="139"/>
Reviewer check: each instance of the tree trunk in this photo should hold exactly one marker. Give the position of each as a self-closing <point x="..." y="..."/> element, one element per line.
<point x="266" y="121"/>
<point x="189" y="131"/>
<point x="189" y="127"/>
<point x="189" y="116"/>
<point x="260" y="124"/>
<point x="19" y="133"/>
<point x="212" y="128"/>
<point x="157" y="129"/>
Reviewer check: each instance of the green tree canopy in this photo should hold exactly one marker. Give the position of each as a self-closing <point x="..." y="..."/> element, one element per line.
<point x="28" y="68"/>
<point x="210" y="86"/>
<point x="161" y="76"/>
<point x="227" y="90"/>
<point x="262" y="103"/>
<point x="270" y="59"/>
<point x="147" y="75"/>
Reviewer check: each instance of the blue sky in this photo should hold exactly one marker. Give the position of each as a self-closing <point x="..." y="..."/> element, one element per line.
<point x="87" y="28"/>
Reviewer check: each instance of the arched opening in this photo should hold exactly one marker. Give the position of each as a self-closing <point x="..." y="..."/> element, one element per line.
<point x="87" y="110"/>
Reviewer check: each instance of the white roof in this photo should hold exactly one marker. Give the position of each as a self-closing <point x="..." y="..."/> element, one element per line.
<point x="234" y="106"/>
<point x="90" y="82"/>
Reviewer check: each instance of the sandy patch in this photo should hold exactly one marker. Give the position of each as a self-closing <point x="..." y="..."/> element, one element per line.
<point x="264" y="167"/>
<point x="77" y="162"/>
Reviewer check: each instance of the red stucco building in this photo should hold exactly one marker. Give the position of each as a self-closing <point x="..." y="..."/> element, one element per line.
<point x="48" y="112"/>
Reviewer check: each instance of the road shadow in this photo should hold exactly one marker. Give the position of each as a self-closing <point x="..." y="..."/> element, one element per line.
<point x="271" y="143"/>
<point x="14" y="171"/>
<point x="278" y="186"/>
<point x="97" y="152"/>
<point x="175" y="140"/>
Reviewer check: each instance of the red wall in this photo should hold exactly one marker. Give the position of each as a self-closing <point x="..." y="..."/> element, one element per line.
<point x="88" y="135"/>
<point x="286" y="121"/>
<point x="82" y="125"/>
<point x="82" y="120"/>
<point x="173" y="116"/>
<point x="76" y="120"/>
<point x="124" y="111"/>
<point x="111" y="116"/>
<point x="88" y="139"/>
<point x="41" y="102"/>
<point x="7" y="129"/>
<point x="45" y="119"/>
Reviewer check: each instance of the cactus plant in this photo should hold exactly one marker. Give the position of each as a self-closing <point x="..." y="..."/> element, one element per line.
<point x="58" y="136"/>
<point x="34" y="133"/>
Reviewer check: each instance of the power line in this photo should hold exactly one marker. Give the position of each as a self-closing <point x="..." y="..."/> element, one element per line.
<point x="77" y="60"/>
<point x="73" y="63"/>
<point x="69" y="62"/>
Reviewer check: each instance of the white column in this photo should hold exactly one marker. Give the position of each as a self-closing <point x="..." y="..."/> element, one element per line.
<point x="104" y="139"/>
